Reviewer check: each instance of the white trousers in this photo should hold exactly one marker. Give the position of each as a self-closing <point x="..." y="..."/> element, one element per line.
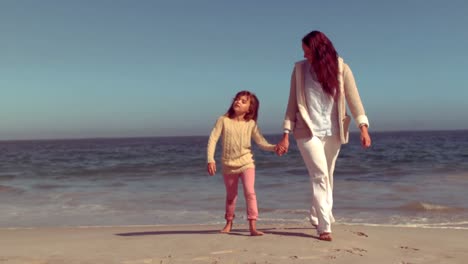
<point x="319" y="155"/>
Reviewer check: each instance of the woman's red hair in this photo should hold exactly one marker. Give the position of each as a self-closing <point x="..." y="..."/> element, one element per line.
<point x="325" y="60"/>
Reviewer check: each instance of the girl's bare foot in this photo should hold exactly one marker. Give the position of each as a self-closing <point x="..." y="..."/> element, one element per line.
<point x="227" y="228"/>
<point x="256" y="233"/>
<point x="253" y="229"/>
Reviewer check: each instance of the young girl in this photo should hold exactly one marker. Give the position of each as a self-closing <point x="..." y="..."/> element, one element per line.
<point x="237" y="127"/>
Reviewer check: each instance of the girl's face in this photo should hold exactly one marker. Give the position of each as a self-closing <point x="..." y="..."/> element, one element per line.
<point x="307" y="53"/>
<point x="241" y="105"/>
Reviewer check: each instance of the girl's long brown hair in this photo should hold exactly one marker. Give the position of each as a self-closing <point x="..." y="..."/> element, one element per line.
<point x="253" y="109"/>
<point x="325" y="60"/>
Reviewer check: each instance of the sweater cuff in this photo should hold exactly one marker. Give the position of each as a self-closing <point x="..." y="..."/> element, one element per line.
<point x="288" y="125"/>
<point x="362" y="119"/>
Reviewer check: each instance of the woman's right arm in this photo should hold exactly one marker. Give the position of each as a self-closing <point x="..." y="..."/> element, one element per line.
<point x="291" y="109"/>
<point x="289" y="117"/>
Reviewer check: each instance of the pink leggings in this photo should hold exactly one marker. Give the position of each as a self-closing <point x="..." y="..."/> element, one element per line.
<point x="248" y="180"/>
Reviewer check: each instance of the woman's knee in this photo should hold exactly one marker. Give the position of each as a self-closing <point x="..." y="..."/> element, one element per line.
<point x="319" y="184"/>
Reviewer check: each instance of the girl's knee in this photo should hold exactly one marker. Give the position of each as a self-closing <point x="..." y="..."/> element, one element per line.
<point x="250" y="196"/>
<point x="231" y="198"/>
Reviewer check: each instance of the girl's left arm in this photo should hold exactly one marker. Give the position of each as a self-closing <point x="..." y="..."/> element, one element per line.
<point x="260" y="140"/>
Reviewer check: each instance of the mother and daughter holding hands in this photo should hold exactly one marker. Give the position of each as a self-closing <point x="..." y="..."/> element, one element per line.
<point x="322" y="86"/>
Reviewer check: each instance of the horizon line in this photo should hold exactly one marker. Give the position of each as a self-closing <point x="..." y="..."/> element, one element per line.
<point x="180" y="136"/>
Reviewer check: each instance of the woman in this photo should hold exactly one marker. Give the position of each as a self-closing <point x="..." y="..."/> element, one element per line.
<point x="321" y="86"/>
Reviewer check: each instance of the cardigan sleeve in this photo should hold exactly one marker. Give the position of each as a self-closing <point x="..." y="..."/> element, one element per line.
<point x="291" y="109"/>
<point x="353" y="99"/>
<point x="213" y="139"/>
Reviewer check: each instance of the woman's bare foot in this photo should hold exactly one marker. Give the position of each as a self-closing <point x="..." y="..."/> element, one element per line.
<point x="253" y="229"/>
<point x="325" y="236"/>
<point x="227" y="228"/>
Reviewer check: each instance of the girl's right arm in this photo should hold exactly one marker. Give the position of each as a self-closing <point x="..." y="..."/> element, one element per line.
<point x="213" y="139"/>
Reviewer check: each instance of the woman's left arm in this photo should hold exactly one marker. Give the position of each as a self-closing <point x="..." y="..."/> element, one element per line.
<point x="365" y="137"/>
<point x="355" y="105"/>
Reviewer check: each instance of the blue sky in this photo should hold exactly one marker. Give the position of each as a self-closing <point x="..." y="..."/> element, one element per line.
<point x="74" y="69"/>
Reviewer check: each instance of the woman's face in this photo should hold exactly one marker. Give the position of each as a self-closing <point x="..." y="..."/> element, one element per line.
<point x="307" y="53"/>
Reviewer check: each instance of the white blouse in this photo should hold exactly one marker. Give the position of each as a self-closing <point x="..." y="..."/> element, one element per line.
<point x="320" y="105"/>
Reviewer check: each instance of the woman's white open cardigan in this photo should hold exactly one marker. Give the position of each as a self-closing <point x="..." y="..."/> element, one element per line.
<point x="297" y="118"/>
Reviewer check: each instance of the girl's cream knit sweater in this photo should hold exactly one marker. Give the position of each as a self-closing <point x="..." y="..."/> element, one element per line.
<point x="236" y="141"/>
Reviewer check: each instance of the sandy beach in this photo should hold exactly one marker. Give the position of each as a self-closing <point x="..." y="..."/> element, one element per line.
<point x="203" y="244"/>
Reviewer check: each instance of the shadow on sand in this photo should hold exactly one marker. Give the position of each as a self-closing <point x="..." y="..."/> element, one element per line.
<point x="234" y="232"/>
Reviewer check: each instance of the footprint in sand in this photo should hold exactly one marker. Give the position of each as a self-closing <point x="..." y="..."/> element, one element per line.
<point x="304" y="257"/>
<point x="409" y="248"/>
<point x="359" y="250"/>
<point x="361" y="234"/>
<point x="354" y="251"/>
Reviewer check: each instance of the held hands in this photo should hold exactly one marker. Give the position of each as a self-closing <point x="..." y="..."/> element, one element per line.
<point x="211" y="168"/>
<point x="282" y="147"/>
<point x="365" y="137"/>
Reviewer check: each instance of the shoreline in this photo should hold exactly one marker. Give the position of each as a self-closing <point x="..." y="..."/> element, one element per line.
<point x="440" y="226"/>
<point x="289" y="243"/>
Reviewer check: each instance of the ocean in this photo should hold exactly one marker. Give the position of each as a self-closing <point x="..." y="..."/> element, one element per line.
<point x="415" y="179"/>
